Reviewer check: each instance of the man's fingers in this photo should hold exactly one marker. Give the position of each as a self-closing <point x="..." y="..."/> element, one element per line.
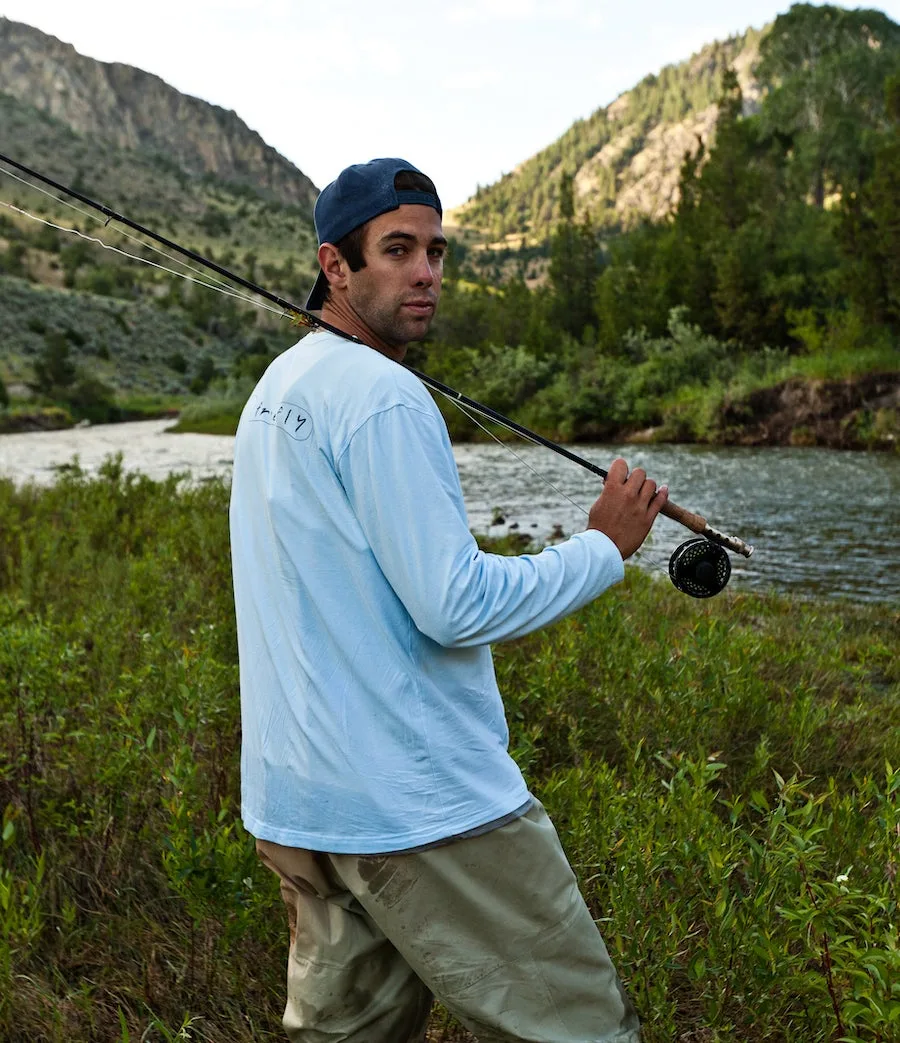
<point x="643" y="488"/>
<point x="648" y="491"/>
<point x="618" y="472"/>
<point x="636" y="486"/>
<point x="659" y="501"/>
<point x="627" y="507"/>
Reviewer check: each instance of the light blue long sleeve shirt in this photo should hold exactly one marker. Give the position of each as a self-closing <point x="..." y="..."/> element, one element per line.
<point x="371" y="717"/>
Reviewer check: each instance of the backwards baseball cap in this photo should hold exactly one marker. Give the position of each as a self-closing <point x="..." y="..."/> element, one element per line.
<point x="358" y="194"/>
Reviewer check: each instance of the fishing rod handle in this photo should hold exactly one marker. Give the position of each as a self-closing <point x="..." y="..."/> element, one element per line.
<point x="697" y="523"/>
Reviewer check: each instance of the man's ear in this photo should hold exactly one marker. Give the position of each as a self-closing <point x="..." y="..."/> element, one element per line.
<point x="332" y="263"/>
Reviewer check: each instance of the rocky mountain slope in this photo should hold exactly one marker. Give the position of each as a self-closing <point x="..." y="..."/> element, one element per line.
<point x="134" y="110"/>
<point x="626" y="157"/>
<point x="98" y="324"/>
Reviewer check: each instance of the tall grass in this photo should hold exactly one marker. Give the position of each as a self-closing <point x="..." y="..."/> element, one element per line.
<point x="723" y="776"/>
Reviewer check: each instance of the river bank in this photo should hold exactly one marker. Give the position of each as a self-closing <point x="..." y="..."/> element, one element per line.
<point x="30" y="419"/>
<point x="839" y="541"/>
<point x="860" y="412"/>
<point x="855" y="413"/>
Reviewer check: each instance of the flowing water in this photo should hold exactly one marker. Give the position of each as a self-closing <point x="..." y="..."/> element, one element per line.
<point x="823" y="522"/>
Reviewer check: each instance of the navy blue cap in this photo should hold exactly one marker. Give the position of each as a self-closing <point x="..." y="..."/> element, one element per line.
<point x="358" y="194"/>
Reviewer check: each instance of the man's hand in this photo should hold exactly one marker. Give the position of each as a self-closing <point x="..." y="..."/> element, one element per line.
<point x="627" y="507"/>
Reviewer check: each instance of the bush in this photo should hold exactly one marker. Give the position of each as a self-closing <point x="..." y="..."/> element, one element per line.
<point x="54" y="370"/>
<point x="89" y="398"/>
<point x="206" y="370"/>
<point x="685" y="357"/>
<point x="13" y="260"/>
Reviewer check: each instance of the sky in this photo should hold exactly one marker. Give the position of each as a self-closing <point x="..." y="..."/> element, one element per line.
<point x="463" y="89"/>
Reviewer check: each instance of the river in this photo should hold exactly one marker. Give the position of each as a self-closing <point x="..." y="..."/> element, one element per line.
<point x="823" y="522"/>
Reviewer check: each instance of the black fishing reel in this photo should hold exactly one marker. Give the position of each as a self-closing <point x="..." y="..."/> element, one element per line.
<point x="700" y="568"/>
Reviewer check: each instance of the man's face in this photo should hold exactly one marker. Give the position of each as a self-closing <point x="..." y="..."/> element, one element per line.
<point x="396" y="293"/>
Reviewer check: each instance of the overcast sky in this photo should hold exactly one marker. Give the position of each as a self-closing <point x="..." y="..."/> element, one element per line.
<point x="464" y="89"/>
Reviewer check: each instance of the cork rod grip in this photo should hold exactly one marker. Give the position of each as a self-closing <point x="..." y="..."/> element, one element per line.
<point x="697" y="523"/>
<point x="688" y="519"/>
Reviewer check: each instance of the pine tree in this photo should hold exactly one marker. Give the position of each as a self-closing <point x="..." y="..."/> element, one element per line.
<point x="825" y="68"/>
<point x="54" y="370"/>
<point x="870" y="227"/>
<point x="574" y="266"/>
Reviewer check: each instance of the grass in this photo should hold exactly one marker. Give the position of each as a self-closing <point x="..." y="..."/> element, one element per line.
<point x="209" y="424"/>
<point x="215" y="413"/>
<point x="723" y="776"/>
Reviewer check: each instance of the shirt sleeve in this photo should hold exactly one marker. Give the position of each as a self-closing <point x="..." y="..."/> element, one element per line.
<point x="400" y="477"/>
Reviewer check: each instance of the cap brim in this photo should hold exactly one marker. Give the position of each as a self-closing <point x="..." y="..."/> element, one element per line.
<point x="317" y="296"/>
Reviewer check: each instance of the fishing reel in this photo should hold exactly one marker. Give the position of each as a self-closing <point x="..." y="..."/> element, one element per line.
<point x="700" y="568"/>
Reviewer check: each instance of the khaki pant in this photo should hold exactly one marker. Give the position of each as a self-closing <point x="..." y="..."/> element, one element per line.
<point x="493" y="926"/>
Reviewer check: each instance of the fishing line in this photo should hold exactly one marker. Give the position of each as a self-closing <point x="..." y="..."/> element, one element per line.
<point x="227" y="291"/>
<point x="37" y="188"/>
<point x="509" y="449"/>
<point x="205" y="280"/>
<point x="702" y="573"/>
<point x="210" y="281"/>
<point x="144" y="260"/>
<point x="641" y="554"/>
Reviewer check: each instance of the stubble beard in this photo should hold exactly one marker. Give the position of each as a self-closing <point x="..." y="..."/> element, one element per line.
<point x="388" y="322"/>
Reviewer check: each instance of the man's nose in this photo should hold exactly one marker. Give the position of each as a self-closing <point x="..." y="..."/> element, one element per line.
<point x="424" y="272"/>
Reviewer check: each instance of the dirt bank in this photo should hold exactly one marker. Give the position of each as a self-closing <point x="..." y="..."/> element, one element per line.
<point x="844" y="414"/>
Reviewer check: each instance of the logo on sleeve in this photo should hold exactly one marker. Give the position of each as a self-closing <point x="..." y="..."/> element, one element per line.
<point x="291" y="419"/>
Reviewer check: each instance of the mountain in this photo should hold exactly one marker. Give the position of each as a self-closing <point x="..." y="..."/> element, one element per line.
<point x="625" y="157"/>
<point x="134" y="110"/>
<point x="83" y="325"/>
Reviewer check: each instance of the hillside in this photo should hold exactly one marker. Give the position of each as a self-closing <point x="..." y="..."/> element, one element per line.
<point x="148" y="186"/>
<point x="190" y="171"/>
<point x="626" y="156"/>
<point x="136" y="111"/>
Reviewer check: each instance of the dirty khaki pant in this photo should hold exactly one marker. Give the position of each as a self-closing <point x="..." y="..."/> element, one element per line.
<point x="493" y="926"/>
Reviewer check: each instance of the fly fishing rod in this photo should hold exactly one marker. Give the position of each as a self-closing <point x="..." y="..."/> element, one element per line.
<point x="700" y="567"/>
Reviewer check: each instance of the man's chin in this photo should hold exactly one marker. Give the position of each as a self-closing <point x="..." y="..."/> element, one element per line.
<point x="409" y="332"/>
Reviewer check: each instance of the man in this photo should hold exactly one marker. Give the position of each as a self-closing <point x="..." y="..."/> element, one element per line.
<point x="375" y="773"/>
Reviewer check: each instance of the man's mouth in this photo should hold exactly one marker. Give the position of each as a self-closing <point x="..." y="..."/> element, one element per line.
<point x="420" y="306"/>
